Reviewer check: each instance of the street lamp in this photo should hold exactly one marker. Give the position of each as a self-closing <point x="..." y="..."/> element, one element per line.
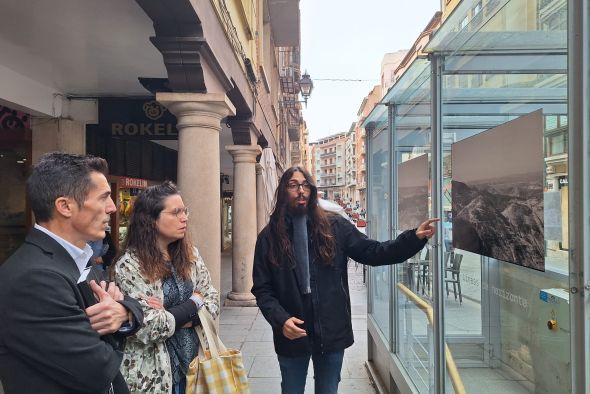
<point x="306" y="86"/>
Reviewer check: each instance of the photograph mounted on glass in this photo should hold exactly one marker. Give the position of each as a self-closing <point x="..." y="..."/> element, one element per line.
<point x="412" y="183"/>
<point x="497" y="192"/>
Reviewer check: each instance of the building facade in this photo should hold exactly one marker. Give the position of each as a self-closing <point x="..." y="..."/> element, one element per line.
<point x="190" y="92"/>
<point x="351" y="194"/>
<point x="359" y="135"/>
<point x="330" y="166"/>
<point x="389" y="65"/>
<point x="417" y="48"/>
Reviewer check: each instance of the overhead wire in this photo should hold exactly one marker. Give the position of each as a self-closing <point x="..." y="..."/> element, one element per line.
<point x="345" y="80"/>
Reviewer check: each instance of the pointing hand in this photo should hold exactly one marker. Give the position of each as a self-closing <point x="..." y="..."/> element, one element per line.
<point x="426" y="229"/>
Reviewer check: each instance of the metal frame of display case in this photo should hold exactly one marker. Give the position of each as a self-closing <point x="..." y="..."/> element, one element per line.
<point x="552" y="59"/>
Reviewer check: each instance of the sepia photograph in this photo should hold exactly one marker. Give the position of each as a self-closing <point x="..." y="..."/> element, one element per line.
<point x="413" y="192"/>
<point x="497" y="192"/>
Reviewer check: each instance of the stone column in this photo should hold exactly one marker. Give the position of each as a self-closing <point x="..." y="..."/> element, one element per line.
<point x="243" y="223"/>
<point x="260" y="208"/>
<point x="57" y="134"/>
<point x="199" y="124"/>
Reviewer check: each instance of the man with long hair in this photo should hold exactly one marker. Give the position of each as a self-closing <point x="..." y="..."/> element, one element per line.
<point x="301" y="280"/>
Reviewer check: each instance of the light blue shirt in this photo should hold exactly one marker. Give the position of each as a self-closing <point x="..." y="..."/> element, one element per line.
<point x="80" y="256"/>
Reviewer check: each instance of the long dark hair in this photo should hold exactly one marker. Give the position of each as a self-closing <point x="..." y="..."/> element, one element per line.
<point x="281" y="250"/>
<point x="142" y="235"/>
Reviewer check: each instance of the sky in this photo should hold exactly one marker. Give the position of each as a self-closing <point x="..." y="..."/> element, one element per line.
<point x="346" y="39"/>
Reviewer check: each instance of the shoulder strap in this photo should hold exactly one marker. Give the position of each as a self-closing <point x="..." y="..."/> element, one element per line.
<point x="208" y="335"/>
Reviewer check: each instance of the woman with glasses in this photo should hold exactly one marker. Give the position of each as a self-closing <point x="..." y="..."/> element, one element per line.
<point x="162" y="270"/>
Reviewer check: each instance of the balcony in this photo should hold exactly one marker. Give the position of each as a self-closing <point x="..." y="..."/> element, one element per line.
<point x="294" y="134"/>
<point x="288" y="81"/>
<point x="285" y="22"/>
<point x="328" y="154"/>
<point x="288" y="63"/>
<point x="293" y="124"/>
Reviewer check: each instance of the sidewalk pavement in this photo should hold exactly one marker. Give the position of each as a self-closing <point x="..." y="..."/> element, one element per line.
<point x="246" y="329"/>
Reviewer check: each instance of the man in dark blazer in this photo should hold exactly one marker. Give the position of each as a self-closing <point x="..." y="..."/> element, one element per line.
<point x="51" y="337"/>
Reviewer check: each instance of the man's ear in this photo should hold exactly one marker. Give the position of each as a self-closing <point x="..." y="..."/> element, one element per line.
<point x="63" y="206"/>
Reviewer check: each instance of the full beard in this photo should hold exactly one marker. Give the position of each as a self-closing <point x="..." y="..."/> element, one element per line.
<point x="298" y="210"/>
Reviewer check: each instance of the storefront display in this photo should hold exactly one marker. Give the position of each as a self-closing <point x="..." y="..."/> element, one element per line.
<point x="490" y="108"/>
<point x="15" y="161"/>
<point x="124" y="191"/>
<point x="226" y="221"/>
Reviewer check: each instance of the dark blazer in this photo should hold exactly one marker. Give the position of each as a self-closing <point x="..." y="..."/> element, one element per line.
<point x="46" y="342"/>
<point x="278" y="296"/>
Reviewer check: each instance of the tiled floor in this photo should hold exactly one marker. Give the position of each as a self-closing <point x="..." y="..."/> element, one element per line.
<point x="246" y="329"/>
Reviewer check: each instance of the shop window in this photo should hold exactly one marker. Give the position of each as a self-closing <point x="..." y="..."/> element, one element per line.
<point x="464" y="23"/>
<point x="551" y="122"/>
<point x="563" y="120"/>
<point x="476" y="80"/>
<point x="477" y="8"/>
<point x="556" y="144"/>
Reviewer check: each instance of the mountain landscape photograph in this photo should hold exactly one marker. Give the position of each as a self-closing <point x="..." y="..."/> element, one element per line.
<point x="412" y="192"/>
<point x="497" y="192"/>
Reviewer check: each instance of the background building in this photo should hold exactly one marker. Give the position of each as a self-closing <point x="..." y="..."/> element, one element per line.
<point x="330" y="165"/>
<point x="417" y="48"/>
<point x="389" y="65"/>
<point x="365" y="109"/>
<point x="351" y="192"/>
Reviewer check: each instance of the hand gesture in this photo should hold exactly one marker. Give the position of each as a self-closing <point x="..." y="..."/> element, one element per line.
<point x="107" y="315"/>
<point x="426" y="229"/>
<point x="112" y="289"/>
<point x="291" y="330"/>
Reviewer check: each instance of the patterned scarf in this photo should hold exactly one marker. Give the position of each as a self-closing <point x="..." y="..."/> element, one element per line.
<point x="184" y="344"/>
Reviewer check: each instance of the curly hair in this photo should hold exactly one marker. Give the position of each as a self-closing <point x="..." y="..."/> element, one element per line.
<point x="142" y="235"/>
<point x="281" y="249"/>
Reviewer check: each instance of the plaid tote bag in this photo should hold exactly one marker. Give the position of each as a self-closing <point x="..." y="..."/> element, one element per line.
<point x="216" y="370"/>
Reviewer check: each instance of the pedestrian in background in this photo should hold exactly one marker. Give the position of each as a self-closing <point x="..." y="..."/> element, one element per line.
<point x="161" y="268"/>
<point x="301" y="280"/>
<point x="50" y="335"/>
<point x="103" y="250"/>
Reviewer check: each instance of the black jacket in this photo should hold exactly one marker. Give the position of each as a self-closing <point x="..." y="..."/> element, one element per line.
<point x="46" y="342"/>
<point x="278" y="296"/>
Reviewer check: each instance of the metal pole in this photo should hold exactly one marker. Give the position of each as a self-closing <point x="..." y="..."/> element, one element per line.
<point x="436" y="182"/>
<point x="579" y="190"/>
<point x="369" y="228"/>
<point x="393" y="305"/>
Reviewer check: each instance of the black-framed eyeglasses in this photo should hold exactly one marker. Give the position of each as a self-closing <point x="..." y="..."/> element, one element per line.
<point x="178" y="212"/>
<point x="295" y="186"/>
